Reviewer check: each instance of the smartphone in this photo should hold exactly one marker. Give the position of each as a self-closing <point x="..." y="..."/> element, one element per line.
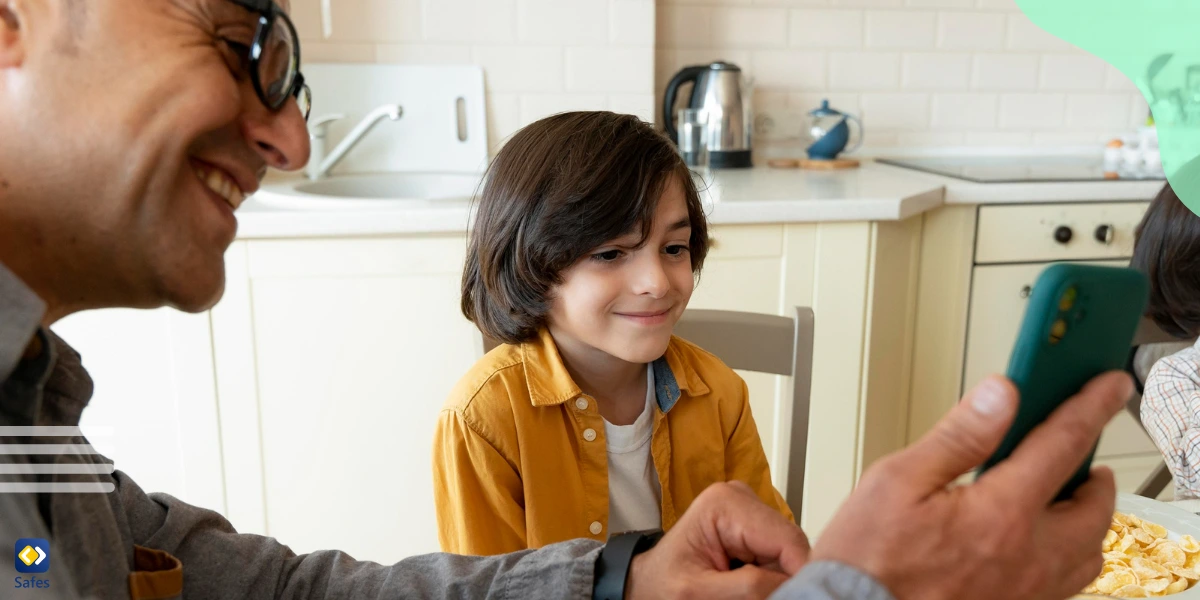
<point x="1079" y="323"/>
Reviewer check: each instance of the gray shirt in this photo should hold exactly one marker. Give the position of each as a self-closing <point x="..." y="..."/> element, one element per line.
<point x="127" y="543"/>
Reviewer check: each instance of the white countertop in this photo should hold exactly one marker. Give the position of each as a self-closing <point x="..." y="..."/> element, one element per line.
<point x="872" y="192"/>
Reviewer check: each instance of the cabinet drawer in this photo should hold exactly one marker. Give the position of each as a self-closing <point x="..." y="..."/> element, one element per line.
<point x="1027" y="232"/>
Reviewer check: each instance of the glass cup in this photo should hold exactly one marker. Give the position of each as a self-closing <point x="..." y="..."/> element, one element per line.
<point x="691" y="123"/>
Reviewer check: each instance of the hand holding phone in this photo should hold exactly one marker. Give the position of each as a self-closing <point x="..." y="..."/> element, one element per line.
<point x="1079" y="323"/>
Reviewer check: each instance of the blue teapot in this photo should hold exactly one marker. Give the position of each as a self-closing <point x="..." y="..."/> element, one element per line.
<point x="830" y="131"/>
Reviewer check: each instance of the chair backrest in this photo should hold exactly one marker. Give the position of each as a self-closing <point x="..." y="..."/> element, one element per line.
<point x="765" y="344"/>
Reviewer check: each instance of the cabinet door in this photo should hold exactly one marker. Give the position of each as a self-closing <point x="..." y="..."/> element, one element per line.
<point x="998" y="300"/>
<point x="742" y="272"/>
<point x="154" y="410"/>
<point x="356" y="345"/>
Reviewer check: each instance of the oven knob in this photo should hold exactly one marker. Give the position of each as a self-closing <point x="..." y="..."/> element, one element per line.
<point x="1104" y="234"/>
<point x="1062" y="234"/>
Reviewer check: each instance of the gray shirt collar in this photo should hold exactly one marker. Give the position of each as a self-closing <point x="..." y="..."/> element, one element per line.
<point x="21" y="313"/>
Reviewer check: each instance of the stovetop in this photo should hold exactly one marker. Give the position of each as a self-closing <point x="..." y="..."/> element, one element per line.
<point x="1018" y="169"/>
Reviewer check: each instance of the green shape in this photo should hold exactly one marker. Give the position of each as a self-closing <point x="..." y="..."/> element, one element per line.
<point x="1156" y="44"/>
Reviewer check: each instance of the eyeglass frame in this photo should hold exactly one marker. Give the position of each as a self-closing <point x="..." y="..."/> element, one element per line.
<point x="268" y="11"/>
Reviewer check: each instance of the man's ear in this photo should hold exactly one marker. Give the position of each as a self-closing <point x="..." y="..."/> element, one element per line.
<point x="12" y="35"/>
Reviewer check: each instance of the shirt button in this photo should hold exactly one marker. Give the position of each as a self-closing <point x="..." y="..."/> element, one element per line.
<point x="595" y="528"/>
<point x="589" y="434"/>
<point x="581" y="403"/>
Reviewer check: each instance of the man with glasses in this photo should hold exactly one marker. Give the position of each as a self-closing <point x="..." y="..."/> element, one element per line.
<point x="130" y="132"/>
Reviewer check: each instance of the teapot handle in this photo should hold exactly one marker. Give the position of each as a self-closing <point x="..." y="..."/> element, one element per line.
<point x="861" y="133"/>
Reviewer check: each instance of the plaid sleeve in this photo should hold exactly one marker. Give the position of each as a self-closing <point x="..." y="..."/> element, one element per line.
<point x="1171" y="415"/>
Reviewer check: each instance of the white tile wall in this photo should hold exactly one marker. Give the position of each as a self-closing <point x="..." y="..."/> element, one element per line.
<point x="539" y="56"/>
<point x="921" y="72"/>
<point x="826" y="29"/>
<point x="900" y="29"/>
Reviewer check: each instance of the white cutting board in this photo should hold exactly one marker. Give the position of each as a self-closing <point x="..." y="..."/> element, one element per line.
<point x="427" y="136"/>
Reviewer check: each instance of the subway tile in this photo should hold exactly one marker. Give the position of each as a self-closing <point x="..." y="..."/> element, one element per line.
<point x="631" y="22"/>
<point x="537" y="106"/>
<point x="1032" y="111"/>
<point x="1072" y="72"/>
<point x="861" y="71"/>
<point x="359" y="21"/>
<point x="470" y="21"/>
<point x="1024" y="35"/>
<point x="901" y="29"/>
<point x="1007" y="72"/>
<point x="788" y="69"/>
<point x="826" y="28"/>
<point x="1098" y="111"/>
<point x="971" y="31"/>
<point x="578" y="22"/>
<point x="965" y="111"/>
<point x="423" y="54"/>
<point x="750" y="27"/>
<point x="521" y="69"/>
<point x="895" y="111"/>
<point x="338" y="53"/>
<point x="684" y="26"/>
<point x="611" y="70"/>
<point x="936" y="71"/>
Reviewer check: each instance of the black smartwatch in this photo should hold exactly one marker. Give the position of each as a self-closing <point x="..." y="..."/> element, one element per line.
<point x="612" y="567"/>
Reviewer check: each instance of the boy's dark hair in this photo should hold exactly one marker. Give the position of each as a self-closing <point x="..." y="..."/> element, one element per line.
<point x="1167" y="250"/>
<point x="559" y="188"/>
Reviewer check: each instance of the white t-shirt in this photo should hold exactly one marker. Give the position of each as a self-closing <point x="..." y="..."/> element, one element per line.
<point x="634" y="494"/>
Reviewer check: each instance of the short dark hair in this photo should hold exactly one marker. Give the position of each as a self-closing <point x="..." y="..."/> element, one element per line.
<point x="559" y="188"/>
<point x="1167" y="250"/>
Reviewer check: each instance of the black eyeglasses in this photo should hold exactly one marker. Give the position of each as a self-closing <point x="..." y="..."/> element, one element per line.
<point x="274" y="58"/>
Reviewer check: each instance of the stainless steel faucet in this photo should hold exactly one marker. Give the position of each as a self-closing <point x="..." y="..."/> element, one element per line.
<point x="319" y="164"/>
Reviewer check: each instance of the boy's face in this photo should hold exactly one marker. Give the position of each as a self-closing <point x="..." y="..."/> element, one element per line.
<point x="624" y="300"/>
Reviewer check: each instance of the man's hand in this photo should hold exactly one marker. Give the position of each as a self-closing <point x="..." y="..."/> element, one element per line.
<point x="1000" y="537"/>
<point x="727" y="521"/>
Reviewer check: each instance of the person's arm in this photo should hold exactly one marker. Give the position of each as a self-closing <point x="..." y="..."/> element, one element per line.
<point x="218" y="562"/>
<point x="477" y="491"/>
<point x="746" y="461"/>
<point x="830" y="580"/>
<point x="1170" y="413"/>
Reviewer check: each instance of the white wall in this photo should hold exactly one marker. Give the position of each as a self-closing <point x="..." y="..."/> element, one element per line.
<point x="922" y="72"/>
<point x="539" y="56"/>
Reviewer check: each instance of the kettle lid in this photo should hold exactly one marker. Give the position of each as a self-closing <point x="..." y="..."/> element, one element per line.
<point x="824" y="110"/>
<point x="721" y="65"/>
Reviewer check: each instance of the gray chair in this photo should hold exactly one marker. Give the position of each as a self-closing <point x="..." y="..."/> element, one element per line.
<point x="1150" y="334"/>
<point x="765" y="344"/>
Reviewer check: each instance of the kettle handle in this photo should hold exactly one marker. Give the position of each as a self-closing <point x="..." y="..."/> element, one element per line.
<point x="862" y="133"/>
<point x="691" y="74"/>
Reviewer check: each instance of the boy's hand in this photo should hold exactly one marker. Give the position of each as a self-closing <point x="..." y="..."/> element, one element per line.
<point x="727" y="521"/>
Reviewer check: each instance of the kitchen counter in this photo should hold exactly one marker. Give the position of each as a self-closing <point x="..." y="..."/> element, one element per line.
<point x="872" y="192"/>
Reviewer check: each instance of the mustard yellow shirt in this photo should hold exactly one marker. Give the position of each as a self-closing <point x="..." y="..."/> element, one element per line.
<point x="519" y="456"/>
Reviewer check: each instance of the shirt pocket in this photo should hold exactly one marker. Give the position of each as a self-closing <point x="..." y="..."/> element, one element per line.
<point x="156" y="575"/>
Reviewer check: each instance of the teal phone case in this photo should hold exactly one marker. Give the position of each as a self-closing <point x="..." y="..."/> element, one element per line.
<point x="1062" y="345"/>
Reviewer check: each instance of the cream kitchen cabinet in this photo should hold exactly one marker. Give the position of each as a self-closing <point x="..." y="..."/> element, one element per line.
<point x="154" y="410"/>
<point x="334" y="358"/>
<point x="987" y="259"/>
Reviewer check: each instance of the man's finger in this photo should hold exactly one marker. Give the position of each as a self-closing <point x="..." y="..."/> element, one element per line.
<point x="750" y="531"/>
<point x="1044" y="461"/>
<point x="963" y="439"/>
<point x="1081" y="522"/>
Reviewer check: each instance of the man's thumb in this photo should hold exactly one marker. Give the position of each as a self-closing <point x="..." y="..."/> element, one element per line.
<point x="964" y="438"/>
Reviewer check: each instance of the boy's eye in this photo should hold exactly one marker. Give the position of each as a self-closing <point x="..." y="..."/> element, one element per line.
<point x="677" y="249"/>
<point x="607" y="256"/>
